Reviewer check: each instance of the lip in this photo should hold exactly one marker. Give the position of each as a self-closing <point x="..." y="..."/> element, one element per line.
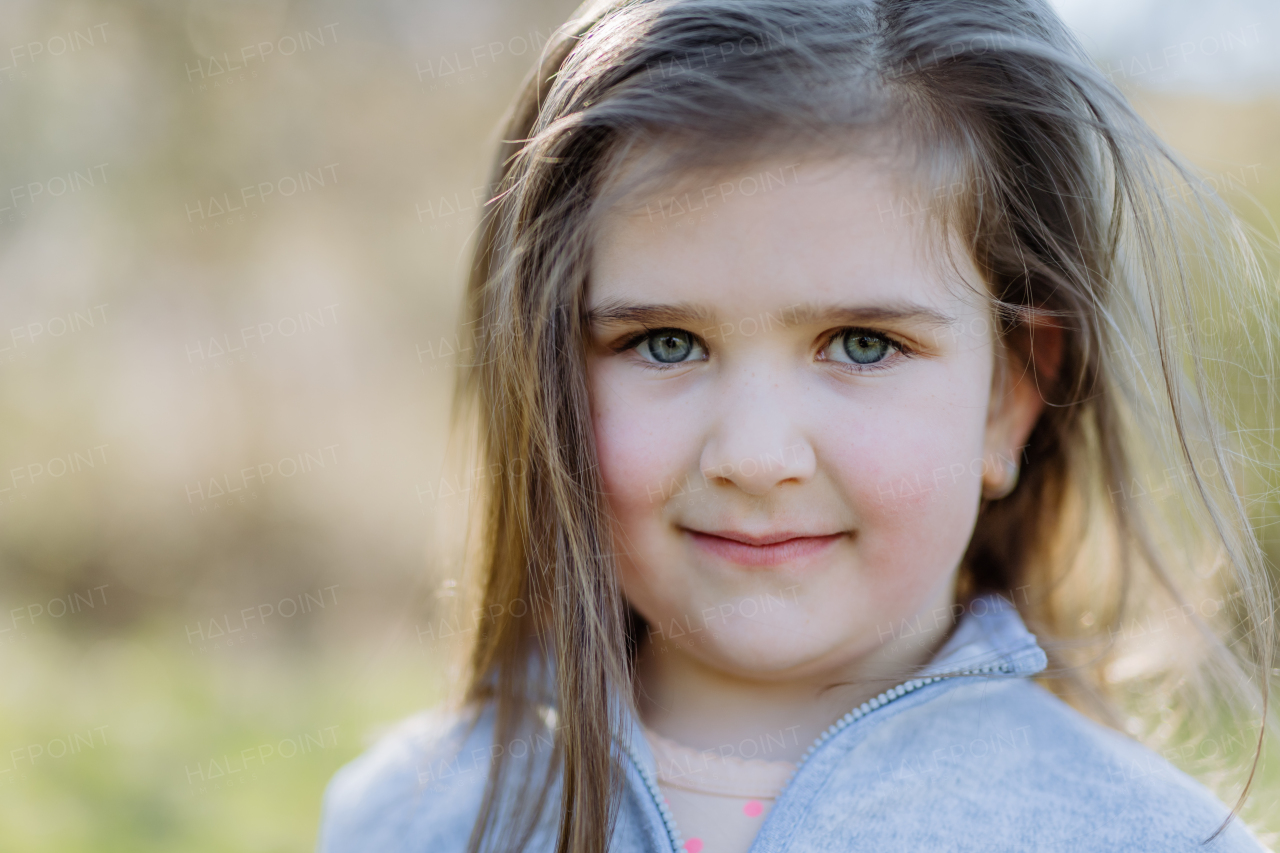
<point x="773" y="549"/>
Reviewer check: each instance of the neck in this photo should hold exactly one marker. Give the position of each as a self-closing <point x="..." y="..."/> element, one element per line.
<point x="686" y="699"/>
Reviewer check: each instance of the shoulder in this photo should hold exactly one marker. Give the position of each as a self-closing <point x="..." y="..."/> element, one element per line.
<point x="417" y="789"/>
<point x="1015" y="761"/>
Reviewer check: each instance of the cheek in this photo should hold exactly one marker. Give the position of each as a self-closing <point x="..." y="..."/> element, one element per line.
<point x="914" y="487"/>
<point x="915" y="472"/>
<point x="640" y="460"/>
<point x="641" y="464"/>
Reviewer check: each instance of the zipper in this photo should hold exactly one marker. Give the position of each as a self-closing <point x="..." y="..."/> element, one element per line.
<point x="650" y="782"/>
<point x="885" y="698"/>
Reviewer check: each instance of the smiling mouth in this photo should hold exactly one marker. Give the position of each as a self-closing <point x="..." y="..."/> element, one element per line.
<point x="771" y="550"/>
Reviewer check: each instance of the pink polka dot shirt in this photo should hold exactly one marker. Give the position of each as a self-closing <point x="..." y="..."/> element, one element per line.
<point x="719" y="800"/>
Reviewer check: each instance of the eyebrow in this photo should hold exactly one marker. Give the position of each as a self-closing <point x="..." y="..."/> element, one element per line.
<point x="902" y="312"/>
<point x="799" y="314"/>
<point x="621" y="313"/>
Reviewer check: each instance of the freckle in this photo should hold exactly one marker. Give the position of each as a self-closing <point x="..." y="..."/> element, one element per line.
<point x="753" y="809"/>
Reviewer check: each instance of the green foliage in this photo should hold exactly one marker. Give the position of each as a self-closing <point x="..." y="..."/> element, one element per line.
<point x="138" y="744"/>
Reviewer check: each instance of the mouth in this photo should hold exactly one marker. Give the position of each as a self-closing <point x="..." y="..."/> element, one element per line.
<point x="765" y="550"/>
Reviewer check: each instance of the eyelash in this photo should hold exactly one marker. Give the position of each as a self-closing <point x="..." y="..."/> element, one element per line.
<point x="631" y="342"/>
<point x="899" y="348"/>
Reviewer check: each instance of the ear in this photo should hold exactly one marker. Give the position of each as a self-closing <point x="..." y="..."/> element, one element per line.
<point x="1026" y="365"/>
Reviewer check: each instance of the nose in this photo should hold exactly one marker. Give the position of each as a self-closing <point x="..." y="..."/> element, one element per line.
<point x="757" y="441"/>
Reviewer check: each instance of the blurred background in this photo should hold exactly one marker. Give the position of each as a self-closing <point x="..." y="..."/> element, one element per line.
<point x="232" y="236"/>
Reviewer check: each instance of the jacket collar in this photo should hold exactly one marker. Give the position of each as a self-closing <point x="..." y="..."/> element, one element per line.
<point x="990" y="633"/>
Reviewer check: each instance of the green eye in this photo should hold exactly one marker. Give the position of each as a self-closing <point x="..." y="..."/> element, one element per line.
<point x="862" y="347"/>
<point x="670" y="346"/>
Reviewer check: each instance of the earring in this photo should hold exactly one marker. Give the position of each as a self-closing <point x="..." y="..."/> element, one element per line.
<point x="1008" y="483"/>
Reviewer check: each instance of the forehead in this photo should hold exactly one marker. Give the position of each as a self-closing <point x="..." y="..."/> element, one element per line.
<point x="779" y="232"/>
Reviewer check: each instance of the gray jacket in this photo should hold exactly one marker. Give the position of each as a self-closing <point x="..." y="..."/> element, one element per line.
<point x="971" y="756"/>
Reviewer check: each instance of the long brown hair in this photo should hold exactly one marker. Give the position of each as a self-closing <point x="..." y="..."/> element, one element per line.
<point x="1058" y="195"/>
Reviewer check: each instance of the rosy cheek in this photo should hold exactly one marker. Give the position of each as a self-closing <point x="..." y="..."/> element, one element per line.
<point x="645" y="451"/>
<point x="913" y="497"/>
<point x="622" y="449"/>
<point x="630" y="454"/>
<point x="924" y="484"/>
<point x="624" y="469"/>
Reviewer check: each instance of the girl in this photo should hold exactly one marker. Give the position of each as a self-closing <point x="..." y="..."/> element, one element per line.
<point x="829" y="347"/>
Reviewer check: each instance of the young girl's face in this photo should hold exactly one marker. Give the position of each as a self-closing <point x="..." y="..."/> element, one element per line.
<point x="793" y="406"/>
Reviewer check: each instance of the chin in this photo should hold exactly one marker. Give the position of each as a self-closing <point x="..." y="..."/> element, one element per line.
<point x="761" y="657"/>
